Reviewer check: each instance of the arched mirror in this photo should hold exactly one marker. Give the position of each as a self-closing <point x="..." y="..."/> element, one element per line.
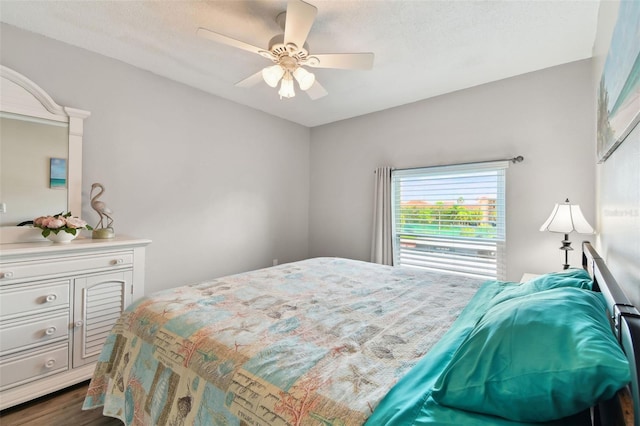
<point x="40" y="156"/>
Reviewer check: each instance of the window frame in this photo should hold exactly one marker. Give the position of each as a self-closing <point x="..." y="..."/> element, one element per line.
<point x="455" y="246"/>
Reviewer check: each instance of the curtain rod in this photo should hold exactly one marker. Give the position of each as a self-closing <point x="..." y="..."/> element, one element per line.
<point x="514" y="160"/>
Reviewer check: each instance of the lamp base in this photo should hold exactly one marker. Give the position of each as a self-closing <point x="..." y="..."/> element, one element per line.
<point x="566" y="246"/>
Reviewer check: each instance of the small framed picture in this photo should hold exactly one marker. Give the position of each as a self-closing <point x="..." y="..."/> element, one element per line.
<point x="58" y="173"/>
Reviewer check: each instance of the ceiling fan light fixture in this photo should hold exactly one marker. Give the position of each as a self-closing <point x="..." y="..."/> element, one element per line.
<point x="286" y="86"/>
<point x="272" y="74"/>
<point x="305" y="78"/>
<point x="289" y="50"/>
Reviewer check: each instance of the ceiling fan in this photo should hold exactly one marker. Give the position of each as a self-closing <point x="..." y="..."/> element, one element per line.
<point x="289" y="53"/>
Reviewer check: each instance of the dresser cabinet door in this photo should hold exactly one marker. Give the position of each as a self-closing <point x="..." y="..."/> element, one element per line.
<point x="99" y="301"/>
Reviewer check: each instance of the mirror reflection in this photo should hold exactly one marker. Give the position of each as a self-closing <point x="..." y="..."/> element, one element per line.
<point x="33" y="168"/>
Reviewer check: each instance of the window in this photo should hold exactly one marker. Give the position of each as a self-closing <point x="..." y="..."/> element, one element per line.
<point x="451" y="218"/>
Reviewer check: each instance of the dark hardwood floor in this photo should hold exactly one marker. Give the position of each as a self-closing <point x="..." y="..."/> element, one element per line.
<point x="62" y="408"/>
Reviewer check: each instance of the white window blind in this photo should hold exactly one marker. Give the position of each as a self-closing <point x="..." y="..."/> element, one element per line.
<point x="451" y="218"/>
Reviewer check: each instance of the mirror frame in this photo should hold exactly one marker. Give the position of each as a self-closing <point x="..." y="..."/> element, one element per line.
<point x="19" y="95"/>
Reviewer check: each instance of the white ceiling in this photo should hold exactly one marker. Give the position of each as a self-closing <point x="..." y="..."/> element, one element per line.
<point x="423" y="48"/>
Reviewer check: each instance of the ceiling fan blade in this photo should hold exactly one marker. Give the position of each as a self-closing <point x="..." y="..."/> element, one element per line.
<point x="250" y="81"/>
<point x="316" y="91"/>
<point x="347" y="61"/>
<point x="219" y="38"/>
<point x="300" y="17"/>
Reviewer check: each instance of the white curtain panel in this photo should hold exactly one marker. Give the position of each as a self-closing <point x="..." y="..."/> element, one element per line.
<point x="381" y="238"/>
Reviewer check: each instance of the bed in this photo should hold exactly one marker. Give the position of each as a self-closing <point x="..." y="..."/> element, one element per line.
<point x="331" y="341"/>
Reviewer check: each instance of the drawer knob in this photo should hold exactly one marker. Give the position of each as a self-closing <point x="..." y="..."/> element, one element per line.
<point x="7" y="274"/>
<point x="79" y="323"/>
<point x="50" y="331"/>
<point x="117" y="261"/>
<point x="51" y="297"/>
<point x="50" y="363"/>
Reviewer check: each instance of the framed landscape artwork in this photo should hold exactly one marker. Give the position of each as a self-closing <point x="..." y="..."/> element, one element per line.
<point x="619" y="90"/>
<point x="58" y="173"/>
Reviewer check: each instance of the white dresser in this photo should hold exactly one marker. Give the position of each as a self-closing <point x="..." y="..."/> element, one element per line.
<point x="58" y="302"/>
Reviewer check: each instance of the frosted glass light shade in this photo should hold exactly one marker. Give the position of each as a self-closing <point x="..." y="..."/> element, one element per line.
<point x="286" y="87"/>
<point x="566" y="218"/>
<point x="305" y="78"/>
<point x="272" y="75"/>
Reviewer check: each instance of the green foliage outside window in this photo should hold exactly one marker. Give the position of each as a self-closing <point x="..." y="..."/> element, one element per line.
<point x="443" y="219"/>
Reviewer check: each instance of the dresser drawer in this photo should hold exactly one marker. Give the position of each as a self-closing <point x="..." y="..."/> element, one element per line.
<point x="32" y="298"/>
<point x="33" y="331"/>
<point x="56" y="266"/>
<point x="18" y="370"/>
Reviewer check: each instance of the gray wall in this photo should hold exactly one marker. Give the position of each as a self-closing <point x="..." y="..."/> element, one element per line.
<point x="222" y="188"/>
<point x="618" y="184"/>
<point x="545" y="116"/>
<point x="219" y="187"/>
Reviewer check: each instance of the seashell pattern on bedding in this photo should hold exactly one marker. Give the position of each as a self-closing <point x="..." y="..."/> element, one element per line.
<point x="319" y="341"/>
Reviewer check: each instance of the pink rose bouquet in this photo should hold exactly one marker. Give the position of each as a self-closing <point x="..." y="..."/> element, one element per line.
<point x="60" y="222"/>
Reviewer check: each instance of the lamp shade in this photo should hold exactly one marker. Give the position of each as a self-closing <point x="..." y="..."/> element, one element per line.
<point x="305" y="78"/>
<point x="272" y="75"/>
<point x="566" y="218"/>
<point x="286" y="87"/>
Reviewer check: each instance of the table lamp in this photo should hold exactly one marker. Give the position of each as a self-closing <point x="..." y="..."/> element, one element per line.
<point x="566" y="218"/>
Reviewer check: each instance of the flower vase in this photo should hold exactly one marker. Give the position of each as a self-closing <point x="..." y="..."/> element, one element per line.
<point x="61" y="237"/>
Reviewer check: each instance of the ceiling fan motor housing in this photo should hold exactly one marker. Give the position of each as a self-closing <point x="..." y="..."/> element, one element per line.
<point x="279" y="52"/>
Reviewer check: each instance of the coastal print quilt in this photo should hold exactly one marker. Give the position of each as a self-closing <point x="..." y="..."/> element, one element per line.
<point x="315" y="342"/>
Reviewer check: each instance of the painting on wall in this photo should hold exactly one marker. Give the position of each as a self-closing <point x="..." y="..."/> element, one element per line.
<point x="58" y="173"/>
<point x="619" y="91"/>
